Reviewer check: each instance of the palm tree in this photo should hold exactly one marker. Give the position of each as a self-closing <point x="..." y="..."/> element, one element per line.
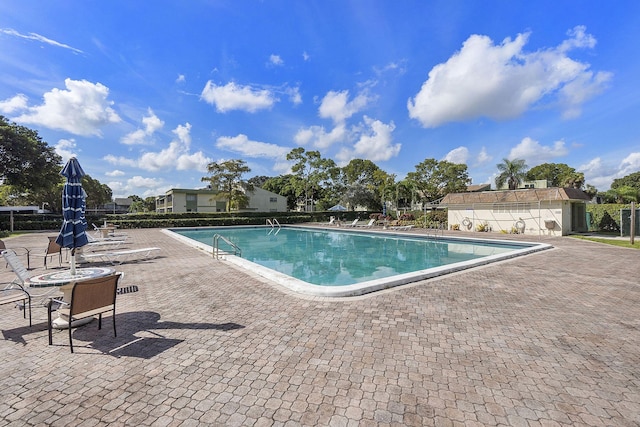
<point x="512" y="172"/>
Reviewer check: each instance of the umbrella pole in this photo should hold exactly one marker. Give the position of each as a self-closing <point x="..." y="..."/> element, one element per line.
<point x="73" y="261"/>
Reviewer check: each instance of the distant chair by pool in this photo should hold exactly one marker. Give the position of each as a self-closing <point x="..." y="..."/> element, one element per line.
<point x="367" y="225"/>
<point x="353" y="224"/>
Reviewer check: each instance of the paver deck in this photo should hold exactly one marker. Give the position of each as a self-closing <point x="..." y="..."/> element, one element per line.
<point x="549" y="339"/>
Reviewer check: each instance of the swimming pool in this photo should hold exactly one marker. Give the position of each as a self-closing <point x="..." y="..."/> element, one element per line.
<point x="344" y="262"/>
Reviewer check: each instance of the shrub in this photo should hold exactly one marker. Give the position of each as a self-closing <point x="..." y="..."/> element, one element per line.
<point x="482" y="227"/>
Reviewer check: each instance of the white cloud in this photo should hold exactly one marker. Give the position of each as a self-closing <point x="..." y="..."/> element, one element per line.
<point x="294" y="95"/>
<point x="305" y="56"/>
<point x="176" y="155"/>
<point x="234" y="97"/>
<point x="181" y="78"/>
<point x="483" y="157"/>
<point x="275" y="60"/>
<point x="11" y="105"/>
<point x="336" y="105"/>
<point x="65" y="148"/>
<point x="151" y="124"/>
<point x="458" y="155"/>
<point x="630" y="164"/>
<point x="248" y="148"/>
<point x="39" y="38"/>
<point x="503" y="81"/>
<point x="120" y="160"/>
<point x="601" y="174"/>
<point x="397" y="67"/>
<point x="317" y="137"/>
<point x="534" y="153"/>
<point x="115" y="172"/>
<point x="374" y="143"/>
<point x="81" y="109"/>
<point x="138" y="185"/>
<point x="139" y="181"/>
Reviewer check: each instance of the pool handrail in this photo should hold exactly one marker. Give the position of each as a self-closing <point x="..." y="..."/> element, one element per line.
<point x="216" y="249"/>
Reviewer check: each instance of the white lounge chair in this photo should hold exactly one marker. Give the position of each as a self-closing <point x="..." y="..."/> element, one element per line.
<point x="367" y="225"/>
<point x="401" y="227"/>
<point x="353" y="224"/>
<point x="14" y="292"/>
<point x="107" y="233"/>
<point x="118" y="257"/>
<point x="100" y="244"/>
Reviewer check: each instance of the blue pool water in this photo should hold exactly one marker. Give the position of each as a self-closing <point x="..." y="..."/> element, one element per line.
<point x="342" y="258"/>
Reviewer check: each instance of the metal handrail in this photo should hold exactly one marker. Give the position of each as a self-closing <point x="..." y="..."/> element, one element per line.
<point x="216" y="249"/>
<point x="273" y="222"/>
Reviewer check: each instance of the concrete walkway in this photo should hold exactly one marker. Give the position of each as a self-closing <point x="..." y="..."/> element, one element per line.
<point x="546" y="340"/>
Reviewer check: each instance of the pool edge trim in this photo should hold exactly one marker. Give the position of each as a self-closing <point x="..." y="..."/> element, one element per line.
<point x="370" y="286"/>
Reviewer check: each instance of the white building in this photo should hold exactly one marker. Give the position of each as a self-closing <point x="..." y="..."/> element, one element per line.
<point x="179" y="200"/>
<point x="548" y="211"/>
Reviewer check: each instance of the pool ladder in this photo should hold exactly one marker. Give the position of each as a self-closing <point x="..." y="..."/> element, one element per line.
<point x="216" y="248"/>
<point x="273" y="223"/>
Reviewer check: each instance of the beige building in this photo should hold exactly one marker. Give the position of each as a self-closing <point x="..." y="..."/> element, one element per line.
<point x="539" y="211"/>
<point x="178" y="200"/>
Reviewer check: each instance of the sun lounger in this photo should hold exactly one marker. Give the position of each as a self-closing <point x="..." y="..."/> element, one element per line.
<point x="100" y="244"/>
<point x="367" y="225"/>
<point x="353" y="224"/>
<point x="118" y="257"/>
<point x="401" y="227"/>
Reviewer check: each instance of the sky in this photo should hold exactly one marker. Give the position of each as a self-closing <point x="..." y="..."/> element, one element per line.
<point x="146" y="94"/>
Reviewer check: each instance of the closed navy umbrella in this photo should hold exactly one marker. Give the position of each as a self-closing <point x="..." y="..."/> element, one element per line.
<point x="73" y="231"/>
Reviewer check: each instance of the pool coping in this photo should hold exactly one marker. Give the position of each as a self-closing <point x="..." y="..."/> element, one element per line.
<point x="358" y="289"/>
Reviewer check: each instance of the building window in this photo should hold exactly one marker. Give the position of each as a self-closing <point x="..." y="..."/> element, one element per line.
<point x="273" y="199"/>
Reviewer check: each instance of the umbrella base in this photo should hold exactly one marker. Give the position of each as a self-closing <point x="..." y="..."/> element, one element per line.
<point x="61" y="323"/>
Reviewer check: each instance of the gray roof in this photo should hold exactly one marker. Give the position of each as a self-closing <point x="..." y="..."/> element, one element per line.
<point x="515" y="196"/>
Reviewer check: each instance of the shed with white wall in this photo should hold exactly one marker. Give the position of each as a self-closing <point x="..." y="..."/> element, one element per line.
<point x="548" y="211"/>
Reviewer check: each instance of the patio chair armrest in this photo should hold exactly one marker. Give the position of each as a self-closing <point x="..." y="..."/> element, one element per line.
<point x="58" y="301"/>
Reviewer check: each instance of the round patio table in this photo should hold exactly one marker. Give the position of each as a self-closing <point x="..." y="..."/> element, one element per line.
<point x="59" y="278"/>
<point x="62" y="278"/>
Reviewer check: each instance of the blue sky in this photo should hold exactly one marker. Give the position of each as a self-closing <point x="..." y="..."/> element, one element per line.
<point x="145" y="94"/>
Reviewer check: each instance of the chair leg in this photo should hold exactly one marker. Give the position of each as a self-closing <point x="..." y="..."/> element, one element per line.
<point x="25" y="302"/>
<point x="49" y="321"/>
<point x="70" y="339"/>
<point x="114" y="322"/>
<point x="100" y="321"/>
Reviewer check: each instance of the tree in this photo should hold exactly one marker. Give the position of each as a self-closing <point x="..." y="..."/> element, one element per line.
<point x="150" y="204"/>
<point x="283" y="186"/>
<point x="258" y="181"/>
<point x="311" y="175"/>
<point x="623" y="194"/>
<point x="28" y="166"/>
<point x="574" y="180"/>
<point x="512" y="172"/>
<point x="98" y="194"/>
<point x="364" y="184"/>
<point x="557" y="175"/>
<point x="632" y="180"/>
<point x="226" y="178"/>
<point x="142" y="205"/>
<point x="434" y="179"/>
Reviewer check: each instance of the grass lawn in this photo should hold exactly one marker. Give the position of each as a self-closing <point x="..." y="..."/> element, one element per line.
<point x="624" y="243"/>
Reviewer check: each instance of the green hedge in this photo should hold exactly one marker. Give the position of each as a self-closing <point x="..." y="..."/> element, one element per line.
<point x="29" y="222"/>
<point x="605" y="217"/>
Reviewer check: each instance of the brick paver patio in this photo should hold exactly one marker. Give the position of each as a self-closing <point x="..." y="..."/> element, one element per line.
<point x="549" y="339"/>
